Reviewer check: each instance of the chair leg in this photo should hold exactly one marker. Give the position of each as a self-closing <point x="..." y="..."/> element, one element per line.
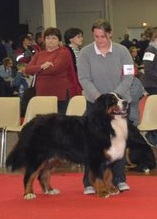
<point x="5" y="148"/>
<point x="144" y="136"/>
<point x="2" y="147"/>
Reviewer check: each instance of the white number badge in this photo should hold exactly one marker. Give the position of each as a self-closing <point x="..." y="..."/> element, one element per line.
<point x="128" y="69"/>
<point x="148" y="56"/>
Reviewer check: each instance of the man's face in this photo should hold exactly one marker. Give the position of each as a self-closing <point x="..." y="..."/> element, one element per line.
<point x="101" y="38"/>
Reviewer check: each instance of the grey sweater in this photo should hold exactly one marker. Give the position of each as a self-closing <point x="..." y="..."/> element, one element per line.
<point x="98" y="74"/>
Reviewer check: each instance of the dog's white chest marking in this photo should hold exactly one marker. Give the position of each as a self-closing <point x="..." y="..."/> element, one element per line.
<point x="118" y="142"/>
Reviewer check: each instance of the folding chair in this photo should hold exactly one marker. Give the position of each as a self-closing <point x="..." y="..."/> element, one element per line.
<point x="76" y="106"/>
<point x="38" y="105"/>
<point x="9" y="116"/>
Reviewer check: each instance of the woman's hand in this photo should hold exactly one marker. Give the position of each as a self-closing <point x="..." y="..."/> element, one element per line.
<point x="46" y="65"/>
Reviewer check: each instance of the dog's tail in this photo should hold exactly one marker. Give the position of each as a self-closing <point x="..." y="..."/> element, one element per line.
<point x="16" y="158"/>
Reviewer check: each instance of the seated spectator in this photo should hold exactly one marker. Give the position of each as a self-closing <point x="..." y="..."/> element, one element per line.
<point x="6" y="69"/>
<point x="25" y="51"/>
<point x="137" y="61"/>
<point x="134" y="53"/>
<point x="19" y="83"/>
<point x="10" y="47"/>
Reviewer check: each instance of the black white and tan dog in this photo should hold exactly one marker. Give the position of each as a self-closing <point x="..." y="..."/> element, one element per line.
<point x="95" y="139"/>
<point x="139" y="154"/>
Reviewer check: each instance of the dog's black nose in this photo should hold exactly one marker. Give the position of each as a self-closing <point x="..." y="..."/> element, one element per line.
<point x="125" y="103"/>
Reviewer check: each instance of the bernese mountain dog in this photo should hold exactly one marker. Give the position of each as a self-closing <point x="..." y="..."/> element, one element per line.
<point x="139" y="154"/>
<point x="95" y="139"/>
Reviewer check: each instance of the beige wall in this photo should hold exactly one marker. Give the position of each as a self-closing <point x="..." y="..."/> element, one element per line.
<point x="124" y="15"/>
<point x="131" y="13"/>
<point x="79" y="13"/>
<point x="31" y="13"/>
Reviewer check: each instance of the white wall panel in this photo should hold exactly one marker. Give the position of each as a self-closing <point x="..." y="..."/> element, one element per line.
<point x="31" y="13"/>
<point x="123" y="14"/>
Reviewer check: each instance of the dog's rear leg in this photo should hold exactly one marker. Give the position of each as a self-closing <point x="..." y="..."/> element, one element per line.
<point x="44" y="180"/>
<point x="107" y="180"/>
<point x="28" y="184"/>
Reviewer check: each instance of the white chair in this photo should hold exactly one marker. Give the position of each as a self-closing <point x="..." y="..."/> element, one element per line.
<point x="76" y="106"/>
<point x="149" y="116"/>
<point x="38" y="105"/>
<point x="9" y="116"/>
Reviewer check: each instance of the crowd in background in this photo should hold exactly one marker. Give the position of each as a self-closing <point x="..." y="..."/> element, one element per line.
<point x="16" y="57"/>
<point x="137" y="49"/>
<point x="42" y="59"/>
<point x="12" y="55"/>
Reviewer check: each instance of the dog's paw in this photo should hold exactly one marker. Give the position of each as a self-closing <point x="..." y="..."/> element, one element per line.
<point x="103" y="194"/>
<point x="146" y="170"/>
<point x="113" y="191"/>
<point x="116" y="192"/>
<point x="52" y="192"/>
<point x="29" y="196"/>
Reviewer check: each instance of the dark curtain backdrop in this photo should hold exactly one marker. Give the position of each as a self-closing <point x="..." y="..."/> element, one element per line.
<point x="9" y="19"/>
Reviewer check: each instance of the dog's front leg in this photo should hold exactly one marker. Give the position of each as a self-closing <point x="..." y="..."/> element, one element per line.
<point x="107" y="181"/>
<point x="99" y="186"/>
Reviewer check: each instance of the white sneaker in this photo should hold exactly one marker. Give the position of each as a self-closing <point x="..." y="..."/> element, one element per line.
<point x="89" y="190"/>
<point x="123" y="186"/>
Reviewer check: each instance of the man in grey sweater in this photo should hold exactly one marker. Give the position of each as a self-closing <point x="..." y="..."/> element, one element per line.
<point x="103" y="67"/>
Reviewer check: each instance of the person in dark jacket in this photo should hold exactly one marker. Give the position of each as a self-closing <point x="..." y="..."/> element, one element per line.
<point x="150" y="72"/>
<point x="73" y="38"/>
<point x="25" y="50"/>
<point x="126" y="42"/>
<point x="3" y="52"/>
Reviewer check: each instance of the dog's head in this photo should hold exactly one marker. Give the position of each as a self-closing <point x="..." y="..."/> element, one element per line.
<point x="113" y="104"/>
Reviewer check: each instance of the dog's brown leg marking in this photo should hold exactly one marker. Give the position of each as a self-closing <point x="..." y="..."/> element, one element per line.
<point x="44" y="180"/>
<point x="28" y="192"/>
<point x="45" y="177"/>
<point x="107" y="179"/>
<point x="99" y="186"/>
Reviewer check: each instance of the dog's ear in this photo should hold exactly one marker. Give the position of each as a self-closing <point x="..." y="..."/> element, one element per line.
<point x="102" y="102"/>
<point x="101" y="97"/>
